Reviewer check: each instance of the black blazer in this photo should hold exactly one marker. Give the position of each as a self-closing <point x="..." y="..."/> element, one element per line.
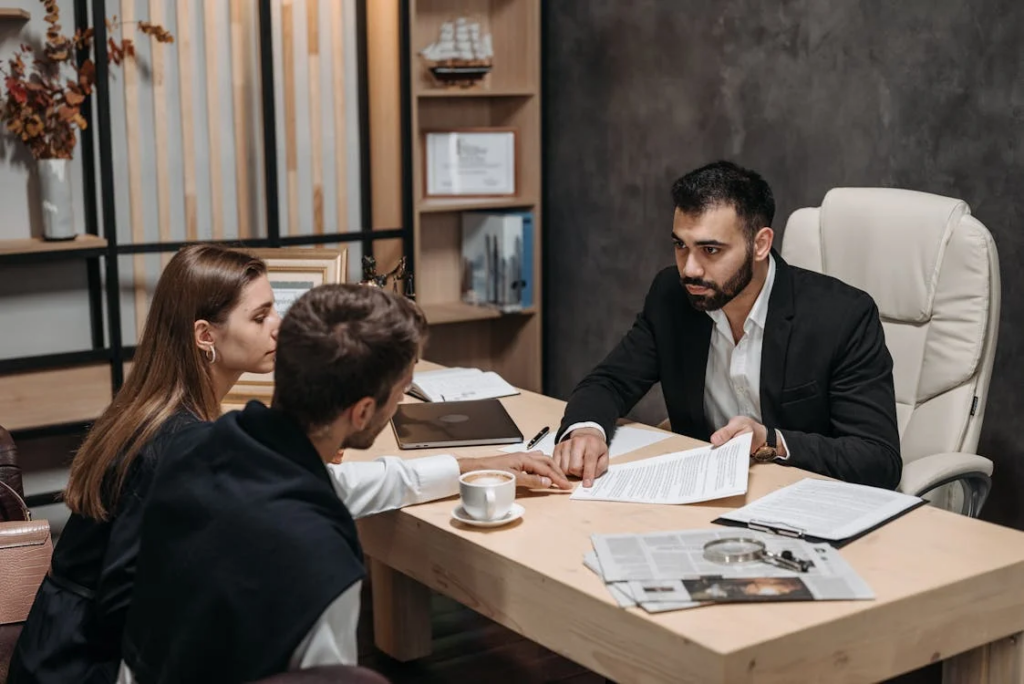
<point x="826" y="374"/>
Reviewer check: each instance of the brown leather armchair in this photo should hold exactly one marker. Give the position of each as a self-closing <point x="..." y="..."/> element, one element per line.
<point x="10" y="474"/>
<point x="328" y="674"/>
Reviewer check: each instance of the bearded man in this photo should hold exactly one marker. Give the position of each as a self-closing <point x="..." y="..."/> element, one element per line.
<point x="741" y="341"/>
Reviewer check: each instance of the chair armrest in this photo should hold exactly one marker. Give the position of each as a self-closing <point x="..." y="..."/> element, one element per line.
<point x="926" y="473"/>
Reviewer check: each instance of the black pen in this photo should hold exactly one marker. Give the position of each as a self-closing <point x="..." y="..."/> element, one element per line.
<point x="540" y="436"/>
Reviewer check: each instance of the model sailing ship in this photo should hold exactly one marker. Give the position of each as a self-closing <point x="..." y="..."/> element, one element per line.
<point x="462" y="55"/>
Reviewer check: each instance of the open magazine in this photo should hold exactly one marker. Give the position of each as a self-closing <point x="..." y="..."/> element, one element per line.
<point x="663" y="571"/>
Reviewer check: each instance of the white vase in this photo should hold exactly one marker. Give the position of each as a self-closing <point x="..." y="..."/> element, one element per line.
<point x="55" y="197"/>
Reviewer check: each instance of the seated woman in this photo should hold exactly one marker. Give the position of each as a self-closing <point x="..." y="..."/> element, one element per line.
<point x="211" y="319"/>
<point x="250" y="563"/>
<point x="73" y="631"/>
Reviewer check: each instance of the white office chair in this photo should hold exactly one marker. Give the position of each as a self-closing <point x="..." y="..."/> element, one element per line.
<point x="933" y="271"/>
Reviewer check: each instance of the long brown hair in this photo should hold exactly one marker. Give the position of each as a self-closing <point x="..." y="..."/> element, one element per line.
<point x="170" y="373"/>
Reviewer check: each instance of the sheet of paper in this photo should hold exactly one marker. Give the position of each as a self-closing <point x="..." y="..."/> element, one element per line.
<point x="825" y="509"/>
<point x="626" y="439"/>
<point x="670" y="567"/>
<point x="701" y="474"/>
<point x="460" y="384"/>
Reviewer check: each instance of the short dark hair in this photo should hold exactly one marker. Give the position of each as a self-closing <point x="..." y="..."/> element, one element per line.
<point x="723" y="183"/>
<point x="340" y="343"/>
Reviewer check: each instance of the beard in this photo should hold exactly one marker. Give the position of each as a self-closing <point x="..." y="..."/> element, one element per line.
<point x="365" y="438"/>
<point x="721" y="294"/>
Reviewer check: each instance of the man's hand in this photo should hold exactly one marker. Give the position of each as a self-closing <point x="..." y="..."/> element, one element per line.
<point x="584" y="454"/>
<point x="533" y="470"/>
<point x="737" y="426"/>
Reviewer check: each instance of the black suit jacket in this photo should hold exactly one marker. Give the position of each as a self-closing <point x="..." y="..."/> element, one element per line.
<point x="826" y="374"/>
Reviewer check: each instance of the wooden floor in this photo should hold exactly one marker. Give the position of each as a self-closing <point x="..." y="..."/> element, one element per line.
<point x="470" y="648"/>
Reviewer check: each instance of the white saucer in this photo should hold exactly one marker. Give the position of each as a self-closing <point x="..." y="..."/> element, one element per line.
<point x="514" y="513"/>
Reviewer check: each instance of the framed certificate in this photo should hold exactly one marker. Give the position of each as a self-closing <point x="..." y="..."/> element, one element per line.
<point x="292" y="272"/>
<point x="472" y="162"/>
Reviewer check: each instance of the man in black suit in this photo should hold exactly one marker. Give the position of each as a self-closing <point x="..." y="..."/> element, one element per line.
<point x="742" y="341"/>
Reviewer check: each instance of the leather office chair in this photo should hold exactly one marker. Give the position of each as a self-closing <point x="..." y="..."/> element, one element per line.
<point x="933" y="271"/>
<point x="329" y="674"/>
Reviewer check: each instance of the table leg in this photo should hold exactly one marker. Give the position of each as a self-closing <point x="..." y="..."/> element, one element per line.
<point x="401" y="613"/>
<point x="1000" y="662"/>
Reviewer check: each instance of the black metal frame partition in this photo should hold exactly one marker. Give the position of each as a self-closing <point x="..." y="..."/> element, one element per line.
<point x="108" y="286"/>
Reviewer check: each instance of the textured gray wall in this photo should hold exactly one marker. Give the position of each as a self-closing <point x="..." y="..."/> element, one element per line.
<point x="920" y="94"/>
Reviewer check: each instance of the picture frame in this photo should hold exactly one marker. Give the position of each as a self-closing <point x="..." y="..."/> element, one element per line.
<point x="292" y="272"/>
<point x="471" y="162"/>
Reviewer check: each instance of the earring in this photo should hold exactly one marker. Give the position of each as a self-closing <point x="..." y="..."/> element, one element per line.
<point x="211" y="354"/>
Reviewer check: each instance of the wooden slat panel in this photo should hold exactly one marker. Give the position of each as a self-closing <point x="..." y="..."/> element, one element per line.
<point x="340" y="142"/>
<point x="188" y="140"/>
<point x="316" y="144"/>
<point x="63" y="395"/>
<point x="213" y="122"/>
<point x="384" y="102"/>
<point x="239" y="77"/>
<point x="288" y="86"/>
<point x="163" y="181"/>
<point x="135" y="172"/>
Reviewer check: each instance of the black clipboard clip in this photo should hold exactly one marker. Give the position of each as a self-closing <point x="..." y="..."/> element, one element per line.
<point x="779" y="528"/>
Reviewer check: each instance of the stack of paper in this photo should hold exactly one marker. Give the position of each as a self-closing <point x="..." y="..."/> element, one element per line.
<point x="664" y="571"/>
<point x="459" y="384"/>
<point x="824" y="510"/>
<point x="701" y="474"/>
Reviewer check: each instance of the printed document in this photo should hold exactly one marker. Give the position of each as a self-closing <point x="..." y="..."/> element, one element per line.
<point x="459" y="384"/>
<point x="824" y="509"/>
<point x="701" y="474"/>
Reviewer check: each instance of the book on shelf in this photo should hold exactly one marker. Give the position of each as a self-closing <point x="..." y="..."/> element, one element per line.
<point x="459" y="384"/>
<point x="497" y="259"/>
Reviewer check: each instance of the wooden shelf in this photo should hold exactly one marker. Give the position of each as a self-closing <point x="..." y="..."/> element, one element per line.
<point x="434" y="205"/>
<point x="38" y="245"/>
<point x="476" y="92"/>
<point x="459" y="312"/>
<point x="14" y="14"/>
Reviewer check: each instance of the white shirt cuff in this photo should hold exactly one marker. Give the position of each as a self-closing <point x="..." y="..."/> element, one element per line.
<point x="438" y="476"/>
<point x="587" y="424"/>
<point x="779" y="439"/>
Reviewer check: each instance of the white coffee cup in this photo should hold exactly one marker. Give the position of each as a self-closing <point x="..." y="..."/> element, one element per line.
<point x="487" y="494"/>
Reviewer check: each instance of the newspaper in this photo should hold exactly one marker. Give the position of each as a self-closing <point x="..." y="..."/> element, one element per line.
<point x="701" y="474"/>
<point x="622" y="594"/>
<point x="669" y="569"/>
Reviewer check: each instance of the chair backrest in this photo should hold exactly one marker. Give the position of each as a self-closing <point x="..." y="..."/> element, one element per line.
<point x="933" y="271"/>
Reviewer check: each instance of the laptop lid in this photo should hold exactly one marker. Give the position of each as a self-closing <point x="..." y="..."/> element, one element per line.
<point x="454" y="424"/>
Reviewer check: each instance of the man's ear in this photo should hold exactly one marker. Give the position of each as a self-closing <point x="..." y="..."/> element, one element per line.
<point x="362" y="412"/>
<point x="204" y="335"/>
<point x="763" y="241"/>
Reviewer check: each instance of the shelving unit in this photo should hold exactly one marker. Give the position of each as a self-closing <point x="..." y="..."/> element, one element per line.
<point x="37" y="249"/>
<point x="509" y="96"/>
<point x="61" y="393"/>
<point x="14" y="14"/>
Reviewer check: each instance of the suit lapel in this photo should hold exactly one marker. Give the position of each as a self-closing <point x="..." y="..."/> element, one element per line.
<point x="778" y="325"/>
<point x="695" y="333"/>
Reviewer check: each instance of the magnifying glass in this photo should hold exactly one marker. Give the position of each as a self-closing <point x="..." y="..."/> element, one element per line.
<point x="732" y="550"/>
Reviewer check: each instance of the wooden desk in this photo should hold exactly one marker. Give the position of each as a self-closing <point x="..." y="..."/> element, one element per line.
<point x="946" y="585"/>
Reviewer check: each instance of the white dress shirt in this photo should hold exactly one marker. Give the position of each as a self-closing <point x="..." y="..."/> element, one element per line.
<point x="365" y="488"/>
<point x="732" y="380"/>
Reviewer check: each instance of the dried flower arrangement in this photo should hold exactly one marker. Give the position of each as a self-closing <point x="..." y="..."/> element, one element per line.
<point x="41" y="106"/>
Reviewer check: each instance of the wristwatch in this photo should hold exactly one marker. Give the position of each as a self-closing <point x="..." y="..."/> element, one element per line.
<point x="767" y="452"/>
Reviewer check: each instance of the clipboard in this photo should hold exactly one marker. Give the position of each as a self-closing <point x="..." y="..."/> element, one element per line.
<point x="785" y="530"/>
